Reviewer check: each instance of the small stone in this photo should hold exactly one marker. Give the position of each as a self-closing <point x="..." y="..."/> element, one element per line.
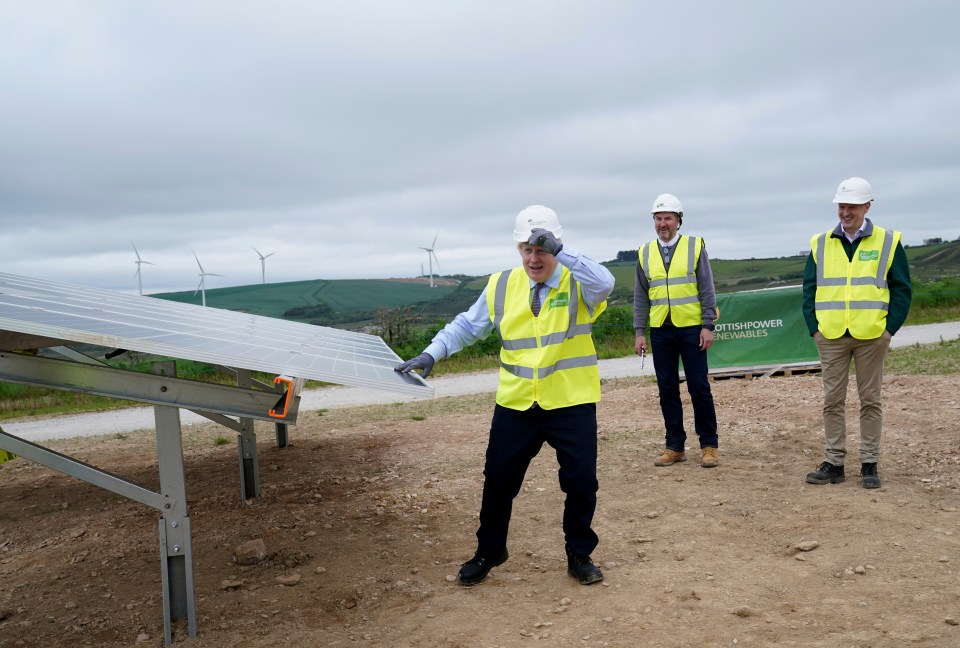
<point x="743" y="612"/>
<point x="229" y="584"/>
<point x="652" y="515"/>
<point x="859" y="569"/>
<point x="943" y="559"/>
<point x="320" y="570"/>
<point x="69" y="605"/>
<point x="250" y="553"/>
<point x="565" y="601"/>
<point x="951" y="621"/>
<point x="450" y="578"/>
<point x="142" y="637"/>
<point x="800" y="557"/>
<point x="288" y="580"/>
<point x="807" y="545"/>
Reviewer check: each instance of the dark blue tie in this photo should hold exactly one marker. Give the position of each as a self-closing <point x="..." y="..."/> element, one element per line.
<point x="535" y="304"/>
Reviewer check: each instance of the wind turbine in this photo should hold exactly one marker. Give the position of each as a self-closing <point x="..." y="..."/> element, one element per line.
<point x="431" y="257"/>
<point x="139" y="262"/>
<point x="200" y="286"/>
<point x="263" y="263"/>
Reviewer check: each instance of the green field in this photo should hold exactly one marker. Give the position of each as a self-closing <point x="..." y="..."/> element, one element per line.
<point x="354" y="303"/>
<point x="318" y="299"/>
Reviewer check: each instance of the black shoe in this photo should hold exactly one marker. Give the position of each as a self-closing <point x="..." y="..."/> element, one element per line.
<point x="476" y="569"/>
<point x="582" y="568"/>
<point x="868" y="475"/>
<point x="826" y="473"/>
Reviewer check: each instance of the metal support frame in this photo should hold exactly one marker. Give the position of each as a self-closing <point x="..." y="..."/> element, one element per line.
<point x="168" y="394"/>
<point x="247" y="448"/>
<point x="176" y="544"/>
<point x="281" y="428"/>
<point x="282" y="440"/>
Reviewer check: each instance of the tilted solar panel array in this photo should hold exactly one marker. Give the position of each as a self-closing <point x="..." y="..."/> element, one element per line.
<point x="61" y="311"/>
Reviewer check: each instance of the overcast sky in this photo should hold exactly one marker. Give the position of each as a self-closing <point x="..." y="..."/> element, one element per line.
<point x="342" y="136"/>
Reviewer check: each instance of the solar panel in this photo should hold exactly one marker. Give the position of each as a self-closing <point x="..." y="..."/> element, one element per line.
<point x="48" y="310"/>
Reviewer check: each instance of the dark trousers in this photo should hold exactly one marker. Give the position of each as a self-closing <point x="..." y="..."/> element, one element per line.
<point x="515" y="439"/>
<point x="670" y="344"/>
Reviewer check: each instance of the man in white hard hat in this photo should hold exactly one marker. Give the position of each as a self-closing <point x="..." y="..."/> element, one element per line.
<point x="856" y="296"/>
<point x="674" y="295"/>
<point x="543" y="313"/>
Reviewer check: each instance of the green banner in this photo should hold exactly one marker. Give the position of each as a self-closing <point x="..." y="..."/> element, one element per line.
<point x="761" y="327"/>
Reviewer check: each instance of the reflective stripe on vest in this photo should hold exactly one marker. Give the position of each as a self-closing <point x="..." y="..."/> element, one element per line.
<point x="673" y="292"/>
<point x="853" y="294"/>
<point x="548" y="359"/>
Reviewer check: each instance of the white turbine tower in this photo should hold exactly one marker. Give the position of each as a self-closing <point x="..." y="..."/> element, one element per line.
<point x="263" y="263"/>
<point x="201" y="286"/>
<point x="432" y="256"/>
<point x="139" y="262"/>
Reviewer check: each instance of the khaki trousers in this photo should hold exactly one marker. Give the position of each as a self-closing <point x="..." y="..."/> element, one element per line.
<point x="835" y="358"/>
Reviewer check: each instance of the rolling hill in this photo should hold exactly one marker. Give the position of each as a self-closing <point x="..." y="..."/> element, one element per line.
<point x="353" y="303"/>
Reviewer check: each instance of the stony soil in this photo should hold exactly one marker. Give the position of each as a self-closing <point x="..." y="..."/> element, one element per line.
<point x="374" y="508"/>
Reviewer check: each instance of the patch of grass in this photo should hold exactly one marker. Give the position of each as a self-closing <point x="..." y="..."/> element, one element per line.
<point x="935" y="359"/>
<point x="220" y="440"/>
<point x="418" y="417"/>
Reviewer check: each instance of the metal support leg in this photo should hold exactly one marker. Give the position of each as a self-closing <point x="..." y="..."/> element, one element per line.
<point x="247" y="448"/>
<point x="176" y="546"/>
<point x="282" y="440"/>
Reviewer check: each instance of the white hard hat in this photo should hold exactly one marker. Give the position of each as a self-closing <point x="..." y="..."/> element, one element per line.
<point x="667" y="203"/>
<point x="854" y="191"/>
<point x="534" y="217"/>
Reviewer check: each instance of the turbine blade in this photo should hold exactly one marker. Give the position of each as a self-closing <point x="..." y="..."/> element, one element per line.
<point x="436" y="259"/>
<point x="435" y="239"/>
<point x="198" y="261"/>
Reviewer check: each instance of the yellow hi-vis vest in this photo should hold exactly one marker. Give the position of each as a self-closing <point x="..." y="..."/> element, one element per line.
<point x="674" y="293"/>
<point x="549" y="360"/>
<point x="853" y="295"/>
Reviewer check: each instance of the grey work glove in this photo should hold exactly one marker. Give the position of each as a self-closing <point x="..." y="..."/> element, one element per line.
<point x="423" y="361"/>
<point x="546" y="240"/>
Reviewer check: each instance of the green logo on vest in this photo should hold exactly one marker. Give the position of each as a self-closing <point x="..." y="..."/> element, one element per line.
<point x="869" y="255"/>
<point x="562" y="299"/>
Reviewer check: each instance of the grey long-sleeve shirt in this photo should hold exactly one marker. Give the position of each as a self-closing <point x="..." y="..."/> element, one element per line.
<point x="705" y="289"/>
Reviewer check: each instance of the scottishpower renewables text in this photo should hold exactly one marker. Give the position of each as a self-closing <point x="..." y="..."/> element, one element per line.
<point x="755" y="329"/>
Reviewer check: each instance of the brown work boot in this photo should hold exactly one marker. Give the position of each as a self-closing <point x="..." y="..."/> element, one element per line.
<point x="711" y="458"/>
<point x="669" y="457"/>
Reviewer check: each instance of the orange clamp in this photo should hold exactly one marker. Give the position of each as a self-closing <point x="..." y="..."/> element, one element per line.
<point x="284" y="400"/>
